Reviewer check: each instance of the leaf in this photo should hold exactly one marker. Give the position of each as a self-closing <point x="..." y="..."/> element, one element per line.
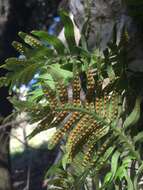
<point x="138" y="137"/>
<point x="119" y="173"/>
<point x="3" y="81"/>
<point x="55" y="169"/>
<point x="83" y="42"/>
<point x="110" y="72"/>
<point x="82" y="52"/>
<point x="40" y="54"/>
<point x="68" y="31"/>
<point x="59" y="74"/>
<point x="129" y="181"/>
<point x="109" y="67"/>
<point x="19" y="47"/>
<point x="28" y="73"/>
<point x="65" y="161"/>
<point x="21" y="71"/>
<point x="76" y="164"/>
<point x="126" y="161"/>
<point x="125" y="164"/>
<point x="36" y="94"/>
<point x="21" y="105"/>
<point x="114" y="164"/>
<point x="105" y="156"/>
<point x="46" y="80"/>
<point x="134" y="115"/>
<point x="51" y="39"/>
<point x="30" y="40"/>
<point x="107" y="178"/>
<point x="14" y="64"/>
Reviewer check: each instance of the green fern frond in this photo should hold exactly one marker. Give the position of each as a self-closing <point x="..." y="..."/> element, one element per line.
<point x="103" y="148"/>
<point x="92" y="141"/>
<point x="77" y="133"/>
<point x="19" y="47"/>
<point x="80" y="139"/>
<point x="30" y="40"/>
<point x="62" y="131"/>
<point x="96" y="128"/>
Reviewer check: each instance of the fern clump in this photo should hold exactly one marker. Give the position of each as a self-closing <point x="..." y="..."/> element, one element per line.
<point x="86" y="96"/>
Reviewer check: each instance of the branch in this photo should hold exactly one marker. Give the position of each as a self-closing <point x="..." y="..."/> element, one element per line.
<point x="12" y="123"/>
<point x="14" y="136"/>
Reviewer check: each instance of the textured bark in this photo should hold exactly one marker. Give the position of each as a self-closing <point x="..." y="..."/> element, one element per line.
<point x="102" y="17"/>
<point x="104" y="14"/>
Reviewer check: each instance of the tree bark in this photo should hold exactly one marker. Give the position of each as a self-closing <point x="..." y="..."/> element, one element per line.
<point x="5" y="109"/>
<point x="103" y="16"/>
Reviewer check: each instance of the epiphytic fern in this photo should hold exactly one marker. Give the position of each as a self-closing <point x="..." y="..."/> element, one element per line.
<point x="86" y="96"/>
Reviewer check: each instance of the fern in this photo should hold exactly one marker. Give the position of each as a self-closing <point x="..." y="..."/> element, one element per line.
<point x="85" y="96"/>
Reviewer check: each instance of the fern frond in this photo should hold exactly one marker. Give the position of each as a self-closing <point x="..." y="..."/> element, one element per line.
<point x="80" y="139"/>
<point x="90" y="86"/>
<point x="77" y="133"/>
<point x="62" y="93"/>
<point x="76" y="87"/>
<point x="103" y="148"/>
<point x="113" y="106"/>
<point x="19" y="47"/>
<point x="50" y="95"/>
<point x="92" y="141"/>
<point x="88" y="124"/>
<point x="59" y="117"/>
<point x="62" y="131"/>
<point x="30" y="40"/>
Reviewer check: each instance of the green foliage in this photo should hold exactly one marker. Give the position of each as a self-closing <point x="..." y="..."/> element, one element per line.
<point x="97" y="124"/>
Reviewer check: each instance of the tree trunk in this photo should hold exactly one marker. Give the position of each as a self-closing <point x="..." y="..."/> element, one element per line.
<point x="5" y="178"/>
<point x="5" y="108"/>
<point x="103" y="15"/>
